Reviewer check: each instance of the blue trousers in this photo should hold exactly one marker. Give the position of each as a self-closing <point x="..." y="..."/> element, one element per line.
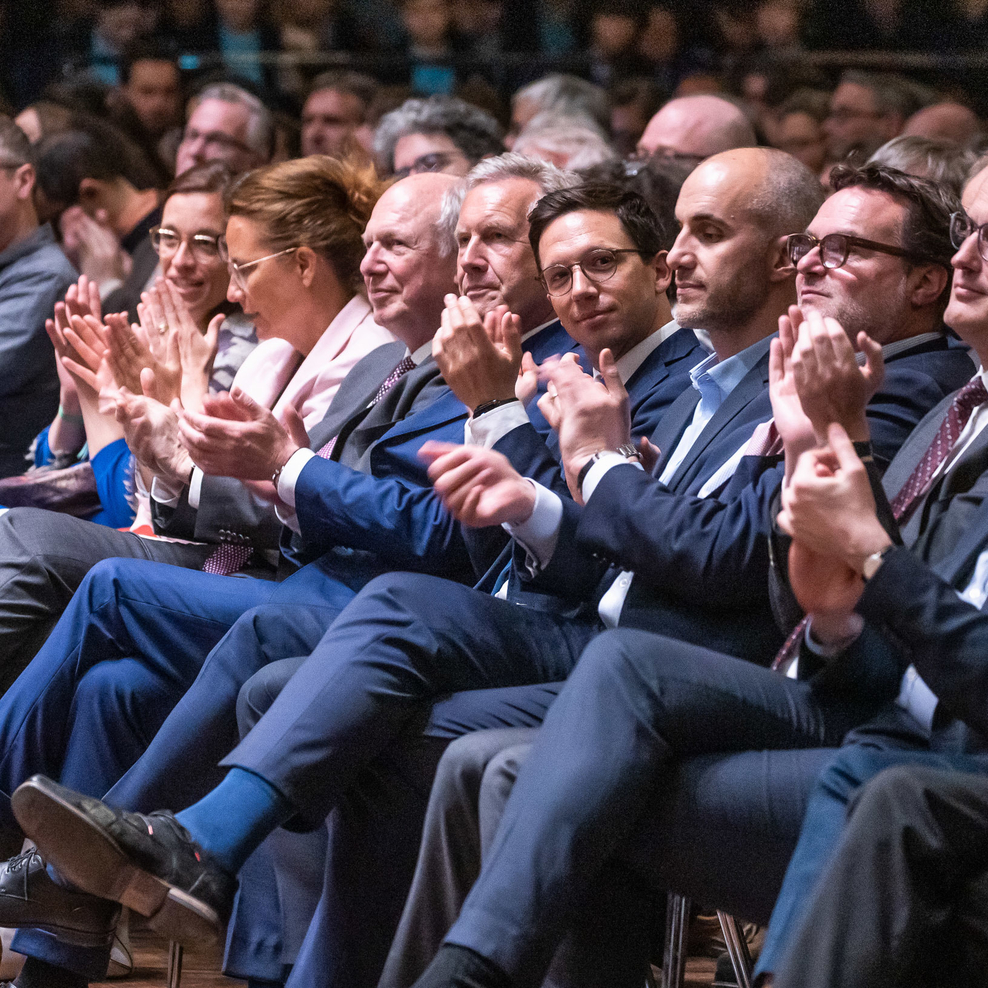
<point x="891" y="739"/>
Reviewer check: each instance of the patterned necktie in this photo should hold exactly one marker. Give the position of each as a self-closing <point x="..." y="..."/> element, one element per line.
<point x="229" y="558"/>
<point x="958" y="414"/>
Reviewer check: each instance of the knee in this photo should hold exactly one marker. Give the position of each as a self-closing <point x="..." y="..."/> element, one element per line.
<point x="893" y="794"/>
<point x="619" y="655"/>
<point x="257" y="695"/>
<point x="121" y="686"/>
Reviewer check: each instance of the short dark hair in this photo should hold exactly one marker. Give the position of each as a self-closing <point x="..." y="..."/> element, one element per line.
<point x="636" y="216"/>
<point x="926" y="228"/>
<point x="14" y="145"/>
<point x="96" y="150"/>
<point x="346" y="81"/>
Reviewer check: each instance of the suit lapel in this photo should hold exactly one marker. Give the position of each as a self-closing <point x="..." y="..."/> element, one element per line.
<point x="957" y="565"/>
<point x="749" y="387"/>
<point x="672" y="424"/>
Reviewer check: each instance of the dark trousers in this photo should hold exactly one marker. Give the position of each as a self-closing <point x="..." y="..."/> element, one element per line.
<point x="904" y="900"/>
<point x="634" y="705"/>
<point x="43" y="557"/>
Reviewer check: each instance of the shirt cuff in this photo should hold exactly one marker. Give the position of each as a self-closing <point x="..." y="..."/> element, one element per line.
<point x="195" y="488"/>
<point x="164" y="494"/>
<point x="606" y="461"/>
<point x="494" y="425"/>
<point x="290" y="473"/>
<point x="539" y="534"/>
<point x="827" y="650"/>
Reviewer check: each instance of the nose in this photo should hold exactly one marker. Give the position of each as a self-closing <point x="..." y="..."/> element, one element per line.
<point x="812" y="260"/>
<point x="471" y="254"/>
<point x="235" y="294"/>
<point x="968" y="255"/>
<point x="183" y="257"/>
<point x="582" y="285"/>
<point x="371" y="263"/>
<point x="680" y="256"/>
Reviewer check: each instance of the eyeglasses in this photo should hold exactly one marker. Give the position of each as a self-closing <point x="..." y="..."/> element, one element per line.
<point x="204" y="247"/>
<point x="237" y="270"/>
<point x="598" y="265"/>
<point x="962" y="227"/>
<point x="436" y="161"/>
<point x="835" y="247"/>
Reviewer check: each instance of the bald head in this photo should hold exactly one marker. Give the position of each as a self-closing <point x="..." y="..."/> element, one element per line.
<point x="410" y="262"/>
<point x="944" y="121"/>
<point x="697" y="127"/>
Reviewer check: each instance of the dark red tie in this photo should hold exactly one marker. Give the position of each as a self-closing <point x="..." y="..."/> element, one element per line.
<point x="914" y="489"/>
<point x="228" y="559"/>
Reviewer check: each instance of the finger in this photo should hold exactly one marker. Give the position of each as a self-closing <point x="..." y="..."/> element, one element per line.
<point x="612" y="378"/>
<point x="776" y="360"/>
<point x="246" y="403"/>
<point x="212" y="335"/>
<point x="293" y="423"/>
<point x="80" y="371"/>
<point x="148" y="383"/>
<point x="842" y="447"/>
<point x="874" y="361"/>
<point x="430" y="451"/>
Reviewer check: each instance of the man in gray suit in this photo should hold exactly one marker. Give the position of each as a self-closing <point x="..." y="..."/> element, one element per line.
<point x="34" y="274"/>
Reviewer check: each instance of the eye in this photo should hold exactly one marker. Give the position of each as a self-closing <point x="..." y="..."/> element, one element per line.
<point x="207" y="245"/>
<point x="710" y="234"/>
<point x="556" y="277"/>
<point x="600" y="261"/>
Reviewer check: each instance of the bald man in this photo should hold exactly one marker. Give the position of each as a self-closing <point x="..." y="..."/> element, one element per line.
<point x="696" y="127"/>
<point x="944" y="121"/>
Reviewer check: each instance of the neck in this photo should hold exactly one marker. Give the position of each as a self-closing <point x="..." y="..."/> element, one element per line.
<point x="414" y="336"/>
<point x="914" y="325"/>
<point x="134" y="206"/>
<point x="763" y="322"/>
<point x="322" y="311"/>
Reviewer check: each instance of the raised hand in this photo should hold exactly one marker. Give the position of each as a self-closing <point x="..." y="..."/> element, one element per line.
<point x="832" y="387"/>
<point x="588" y="415"/>
<point x="792" y="423"/>
<point x="828" y="589"/>
<point x="478" y="486"/>
<point x="479" y="358"/>
<point x="93" y="245"/>
<point x="527" y="383"/>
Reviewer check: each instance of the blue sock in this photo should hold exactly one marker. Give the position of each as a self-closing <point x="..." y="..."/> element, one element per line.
<point x="235" y="817"/>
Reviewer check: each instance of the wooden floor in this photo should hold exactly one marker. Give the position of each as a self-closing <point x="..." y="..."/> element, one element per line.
<point x="201" y="968"/>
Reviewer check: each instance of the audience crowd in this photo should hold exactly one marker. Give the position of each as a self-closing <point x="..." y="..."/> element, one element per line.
<point x="435" y="530"/>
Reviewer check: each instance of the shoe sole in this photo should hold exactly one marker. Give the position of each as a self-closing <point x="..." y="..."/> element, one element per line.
<point x="92" y="860"/>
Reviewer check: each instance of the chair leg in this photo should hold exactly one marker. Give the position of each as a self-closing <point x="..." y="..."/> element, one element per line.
<point x="674" y="956"/>
<point x="175" y="952"/>
<point x="737" y="949"/>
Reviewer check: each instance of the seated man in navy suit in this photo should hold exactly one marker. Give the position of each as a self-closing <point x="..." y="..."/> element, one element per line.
<point x="407" y="638"/>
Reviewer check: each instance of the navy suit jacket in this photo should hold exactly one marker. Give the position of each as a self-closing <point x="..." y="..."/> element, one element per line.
<point x="701" y="564"/>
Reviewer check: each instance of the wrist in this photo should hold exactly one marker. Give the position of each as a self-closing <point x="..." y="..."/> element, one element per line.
<point x="489" y="405"/>
<point x="837" y="629"/>
<point x="524" y="505"/>
<point x="627" y="450"/>
<point x="864" y="550"/>
<point x="279" y="462"/>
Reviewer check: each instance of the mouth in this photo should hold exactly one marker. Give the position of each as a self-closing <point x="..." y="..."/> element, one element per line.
<point x="962" y="291"/>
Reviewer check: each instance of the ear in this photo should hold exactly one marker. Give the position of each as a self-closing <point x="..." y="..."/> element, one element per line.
<point x="927" y="282"/>
<point x="24" y="179"/>
<point x="780" y="267"/>
<point x="663" y="273"/>
<point x="306" y="260"/>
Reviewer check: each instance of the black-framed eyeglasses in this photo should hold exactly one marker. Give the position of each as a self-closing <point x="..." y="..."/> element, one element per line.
<point x="962" y="227"/>
<point x="835" y="247"/>
<point x="166" y="242"/>
<point x="598" y="265"/>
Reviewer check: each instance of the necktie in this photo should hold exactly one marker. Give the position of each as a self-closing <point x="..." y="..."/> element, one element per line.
<point x="229" y="558"/>
<point x="958" y="415"/>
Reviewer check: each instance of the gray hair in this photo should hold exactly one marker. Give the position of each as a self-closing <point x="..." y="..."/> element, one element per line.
<point x="577" y="139"/>
<point x="511" y="164"/>
<point x="568" y="96"/>
<point x="475" y="132"/>
<point x="260" y="128"/>
<point x="942" y="162"/>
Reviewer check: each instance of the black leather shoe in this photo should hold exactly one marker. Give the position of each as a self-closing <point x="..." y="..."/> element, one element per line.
<point x="28" y="897"/>
<point x="147" y="862"/>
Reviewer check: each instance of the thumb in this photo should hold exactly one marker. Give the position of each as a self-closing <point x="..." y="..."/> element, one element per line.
<point x="874" y="361"/>
<point x="609" y="374"/>
<point x="212" y="334"/>
<point x="148" y="383"/>
<point x="295" y="427"/>
<point x="245" y="402"/>
<point x="841" y="446"/>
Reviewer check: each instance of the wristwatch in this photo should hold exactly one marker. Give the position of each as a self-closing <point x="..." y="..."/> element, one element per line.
<point x="627" y="450"/>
